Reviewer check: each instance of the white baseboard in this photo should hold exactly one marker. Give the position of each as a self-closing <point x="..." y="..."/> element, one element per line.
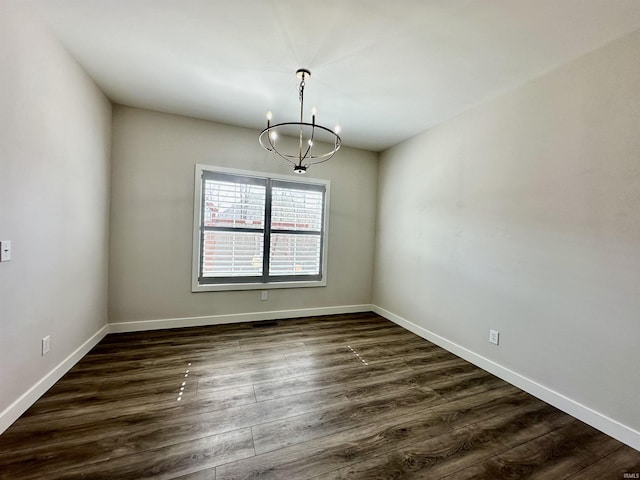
<point x="17" y="408"/>
<point x="597" y="420"/>
<point x="233" y="318"/>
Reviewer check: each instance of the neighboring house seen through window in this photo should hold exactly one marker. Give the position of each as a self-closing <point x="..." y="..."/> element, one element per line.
<point x="257" y="231"/>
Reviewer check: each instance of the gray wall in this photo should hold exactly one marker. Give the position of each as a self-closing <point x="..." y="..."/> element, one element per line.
<point x="523" y="215"/>
<point x="54" y="203"/>
<point x="520" y="215"/>
<point x="152" y="219"/>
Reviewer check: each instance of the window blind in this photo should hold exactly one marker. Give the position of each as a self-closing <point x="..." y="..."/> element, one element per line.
<point x="262" y="230"/>
<point x="296" y="230"/>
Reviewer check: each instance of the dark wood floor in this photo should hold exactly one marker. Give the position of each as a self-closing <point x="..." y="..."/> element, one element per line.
<point x="338" y="397"/>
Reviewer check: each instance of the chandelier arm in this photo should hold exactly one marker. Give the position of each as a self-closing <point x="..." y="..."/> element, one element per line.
<point x="306" y="154"/>
<point x="274" y="151"/>
<point x="326" y="156"/>
<point x="273" y="148"/>
<point x="286" y="158"/>
<point x="268" y="137"/>
<point x="331" y="154"/>
<point x="280" y="159"/>
<point x="323" y="158"/>
<point x="313" y="133"/>
<point x="270" y="147"/>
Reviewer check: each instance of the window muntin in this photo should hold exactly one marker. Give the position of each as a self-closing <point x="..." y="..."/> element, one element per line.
<point x="258" y="232"/>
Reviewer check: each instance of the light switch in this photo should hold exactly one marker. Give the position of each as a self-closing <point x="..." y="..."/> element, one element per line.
<point x="5" y="250"/>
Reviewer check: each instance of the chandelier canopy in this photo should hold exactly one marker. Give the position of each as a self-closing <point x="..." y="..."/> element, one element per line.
<point x="308" y="135"/>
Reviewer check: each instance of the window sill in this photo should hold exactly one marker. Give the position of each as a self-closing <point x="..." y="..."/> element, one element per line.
<point x="228" y="287"/>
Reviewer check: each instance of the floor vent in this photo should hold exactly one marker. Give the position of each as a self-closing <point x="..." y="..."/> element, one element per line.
<point x="270" y="323"/>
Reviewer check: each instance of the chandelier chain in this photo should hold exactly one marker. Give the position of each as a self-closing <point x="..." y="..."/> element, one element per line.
<point x="301" y="89"/>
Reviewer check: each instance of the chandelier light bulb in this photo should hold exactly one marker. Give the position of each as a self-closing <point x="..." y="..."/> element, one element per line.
<point x="273" y="135"/>
<point x="314" y="111"/>
<point x="337" y="129"/>
<point x="269" y="115"/>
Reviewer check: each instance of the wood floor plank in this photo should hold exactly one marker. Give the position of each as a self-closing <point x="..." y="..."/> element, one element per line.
<point x="556" y="455"/>
<point x="168" y="462"/>
<point x="369" y="440"/>
<point x="337" y="396"/>
<point x="206" y="474"/>
<point x="614" y="466"/>
<point x="355" y="376"/>
<point x="302" y="428"/>
<point x="360" y="338"/>
<point x="376" y="353"/>
<point x="156" y="393"/>
<point x="270" y="374"/>
<point x="148" y="427"/>
<point x="29" y="440"/>
<point x="450" y="452"/>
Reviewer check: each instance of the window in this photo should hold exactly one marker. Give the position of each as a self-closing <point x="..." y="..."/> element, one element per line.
<point x="254" y="231"/>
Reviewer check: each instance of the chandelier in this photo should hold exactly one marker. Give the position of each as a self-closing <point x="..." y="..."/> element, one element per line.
<point x="306" y="152"/>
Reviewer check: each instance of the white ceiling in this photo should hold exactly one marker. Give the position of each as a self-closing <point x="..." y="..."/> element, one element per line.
<point x="384" y="70"/>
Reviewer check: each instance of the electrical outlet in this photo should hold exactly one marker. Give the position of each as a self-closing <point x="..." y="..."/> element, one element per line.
<point x="5" y="250"/>
<point x="264" y="295"/>
<point x="46" y="345"/>
<point x="494" y="337"/>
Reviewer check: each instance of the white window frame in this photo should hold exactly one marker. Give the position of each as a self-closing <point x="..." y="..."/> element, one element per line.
<point x="196" y="286"/>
